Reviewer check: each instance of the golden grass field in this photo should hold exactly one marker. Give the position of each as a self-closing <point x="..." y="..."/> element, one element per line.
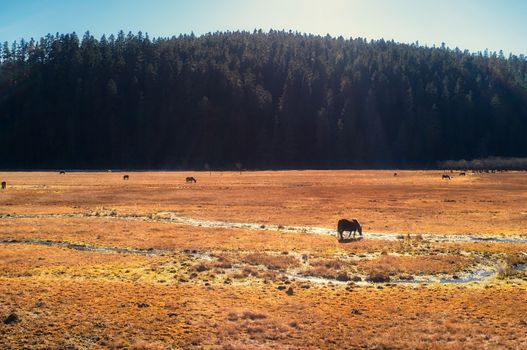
<point x="245" y="261"/>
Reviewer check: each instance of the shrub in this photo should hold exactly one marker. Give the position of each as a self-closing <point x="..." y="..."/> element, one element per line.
<point x="343" y="277"/>
<point x="320" y="271"/>
<point x="279" y="262"/>
<point x="378" y="276"/>
<point x="328" y="263"/>
<point x="249" y="315"/>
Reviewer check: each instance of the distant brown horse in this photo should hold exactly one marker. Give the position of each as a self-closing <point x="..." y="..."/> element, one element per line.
<point x="4" y="185"/>
<point x="62" y="172"/>
<point x="350" y="226"/>
<point x="445" y="177"/>
<point x="126" y="177"/>
<point x="190" y="179"/>
<point x="462" y="174"/>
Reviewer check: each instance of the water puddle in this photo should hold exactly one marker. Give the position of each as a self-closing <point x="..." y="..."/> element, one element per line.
<point x="480" y="273"/>
<point x="172" y="217"/>
<point x="86" y="247"/>
<point x="477" y="276"/>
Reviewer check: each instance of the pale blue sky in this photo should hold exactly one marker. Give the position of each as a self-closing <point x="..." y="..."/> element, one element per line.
<point x="471" y="24"/>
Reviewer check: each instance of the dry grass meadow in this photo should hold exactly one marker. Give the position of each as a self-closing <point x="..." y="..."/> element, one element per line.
<point x="244" y="261"/>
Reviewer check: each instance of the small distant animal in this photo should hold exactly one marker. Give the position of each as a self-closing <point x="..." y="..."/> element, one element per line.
<point x="350" y="226"/>
<point x="394" y="174"/>
<point x="445" y="177"/>
<point x="126" y="177"/>
<point x="190" y="179"/>
<point x="62" y="172"/>
<point x="462" y="174"/>
<point x="4" y="185"/>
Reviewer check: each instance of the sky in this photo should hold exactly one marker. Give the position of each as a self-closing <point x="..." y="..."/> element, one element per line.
<point x="475" y="25"/>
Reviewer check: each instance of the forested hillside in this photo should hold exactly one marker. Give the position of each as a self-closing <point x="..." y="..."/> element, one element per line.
<point x="263" y="100"/>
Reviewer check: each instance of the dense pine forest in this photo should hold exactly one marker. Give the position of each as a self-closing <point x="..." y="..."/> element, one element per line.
<point x="254" y="100"/>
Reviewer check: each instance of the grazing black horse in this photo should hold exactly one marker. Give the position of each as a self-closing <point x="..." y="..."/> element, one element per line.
<point x="190" y="179"/>
<point x="62" y="172"/>
<point x="126" y="177"/>
<point x="445" y="177"/>
<point x="349" y="226"/>
<point x="4" y="185"/>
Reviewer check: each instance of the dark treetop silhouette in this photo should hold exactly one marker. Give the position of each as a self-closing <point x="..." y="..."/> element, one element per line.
<point x="264" y="100"/>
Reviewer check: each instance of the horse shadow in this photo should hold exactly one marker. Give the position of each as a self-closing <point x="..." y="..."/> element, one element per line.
<point x="350" y="239"/>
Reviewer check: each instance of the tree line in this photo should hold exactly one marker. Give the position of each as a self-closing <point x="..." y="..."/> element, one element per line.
<point x="259" y="99"/>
